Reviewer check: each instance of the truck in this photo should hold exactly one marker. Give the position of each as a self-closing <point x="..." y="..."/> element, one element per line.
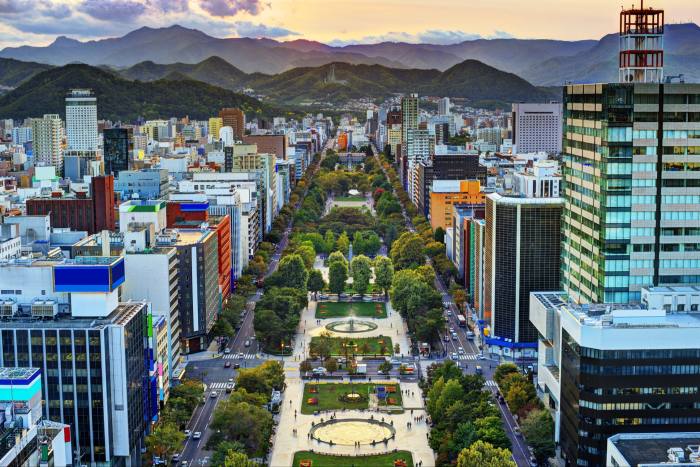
<point x="361" y="369"/>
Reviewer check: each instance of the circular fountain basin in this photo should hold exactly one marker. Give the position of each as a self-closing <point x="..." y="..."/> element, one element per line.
<point x="347" y="432"/>
<point x="351" y="326"/>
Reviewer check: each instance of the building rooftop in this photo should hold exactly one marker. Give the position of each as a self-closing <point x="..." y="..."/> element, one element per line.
<point x="121" y="314"/>
<point x="617" y="315"/>
<point x="652" y="448"/>
<point x="137" y="205"/>
<point x="519" y="199"/>
<point x="12" y="375"/>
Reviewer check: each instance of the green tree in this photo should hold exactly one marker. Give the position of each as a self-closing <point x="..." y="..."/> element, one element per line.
<point x="308" y="254"/>
<point x="407" y="251"/>
<point x="337" y="276"/>
<point x="517" y="397"/>
<point x="433" y="249"/>
<point x="439" y="235"/>
<point x="315" y="283"/>
<point x="293" y="272"/>
<point x="238" y="459"/>
<point x="244" y="423"/>
<point x="222" y="328"/>
<point x="490" y="430"/>
<point x="337" y="256"/>
<point x="504" y="370"/>
<point x="361" y="268"/>
<point x="385" y="367"/>
<point x="331" y="365"/>
<point x="538" y="429"/>
<point x="221" y="451"/>
<point x="322" y="346"/>
<point x="329" y="241"/>
<point x="383" y="273"/>
<point x="305" y="366"/>
<point x="480" y="454"/>
<point x="165" y="440"/>
<point x="343" y="243"/>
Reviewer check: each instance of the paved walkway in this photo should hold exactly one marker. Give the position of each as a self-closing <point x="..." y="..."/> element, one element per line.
<point x="286" y="443"/>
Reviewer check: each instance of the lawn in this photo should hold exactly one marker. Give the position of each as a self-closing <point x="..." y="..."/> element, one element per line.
<point x="324" y="396"/>
<point x="347" y="309"/>
<point x="350" y="198"/>
<point x="380" y="460"/>
<point x="369" y="346"/>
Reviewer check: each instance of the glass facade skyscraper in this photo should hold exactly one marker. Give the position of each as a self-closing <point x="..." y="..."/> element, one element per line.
<point x="632" y="189"/>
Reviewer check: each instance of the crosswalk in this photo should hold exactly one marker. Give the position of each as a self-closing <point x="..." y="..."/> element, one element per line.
<point x="218" y="385"/>
<point x="247" y="356"/>
<point x="466" y="357"/>
<point x="491" y="383"/>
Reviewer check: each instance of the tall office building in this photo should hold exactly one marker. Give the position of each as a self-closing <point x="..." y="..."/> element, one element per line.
<point x="409" y="115"/>
<point x="47" y="134"/>
<point x="118" y="148"/>
<point x="608" y="369"/>
<point x="444" y="106"/>
<point x="81" y="120"/>
<point x="631" y="213"/>
<point x="235" y="118"/>
<point x="523" y="240"/>
<point x="537" y="127"/>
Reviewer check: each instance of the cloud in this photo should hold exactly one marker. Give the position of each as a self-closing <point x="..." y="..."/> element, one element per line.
<point x="113" y="10"/>
<point x="12" y="7"/>
<point x="170" y="6"/>
<point x="430" y="36"/>
<point x="59" y="11"/>
<point x="231" y="7"/>
<point x="248" y="29"/>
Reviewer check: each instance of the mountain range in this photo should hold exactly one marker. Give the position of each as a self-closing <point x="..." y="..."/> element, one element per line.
<point x="120" y="98"/>
<point x="325" y="86"/>
<point x="542" y="62"/>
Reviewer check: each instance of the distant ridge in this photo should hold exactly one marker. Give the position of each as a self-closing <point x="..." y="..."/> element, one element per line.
<point x="541" y="61"/>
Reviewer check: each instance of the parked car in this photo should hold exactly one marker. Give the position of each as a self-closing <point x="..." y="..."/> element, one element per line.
<point x="187" y="433"/>
<point x="319" y="371"/>
<point x="446" y="338"/>
<point x="227" y="351"/>
<point x="460" y="349"/>
<point x="454" y="356"/>
<point x="470" y="335"/>
<point x="236" y="366"/>
<point x="395" y="361"/>
<point x="478" y="370"/>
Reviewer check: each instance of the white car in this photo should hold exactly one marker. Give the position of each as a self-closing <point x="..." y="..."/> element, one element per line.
<point x="187" y="433"/>
<point x="197" y="435"/>
<point x="214" y="395"/>
<point x="455" y="356"/>
<point x="460" y="349"/>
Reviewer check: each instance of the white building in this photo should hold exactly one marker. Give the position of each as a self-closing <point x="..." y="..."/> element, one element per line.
<point x="22" y="134"/>
<point x="538" y="127"/>
<point x="543" y="180"/>
<point x="444" y="106"/>
<point x="81" y="120"/>
<point x="10" y="241"/>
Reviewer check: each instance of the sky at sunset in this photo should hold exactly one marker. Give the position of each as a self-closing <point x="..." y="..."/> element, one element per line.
<point x="39" y="22"/>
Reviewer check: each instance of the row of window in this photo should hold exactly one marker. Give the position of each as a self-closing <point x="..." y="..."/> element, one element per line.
<point x="640" y="370"/>
<point x="638" y="405"/>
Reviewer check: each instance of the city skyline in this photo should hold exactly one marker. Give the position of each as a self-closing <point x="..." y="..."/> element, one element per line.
<point x="439" y="22"/>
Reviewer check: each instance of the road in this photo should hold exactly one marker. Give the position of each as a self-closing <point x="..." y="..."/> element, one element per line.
<point x="213" y="371"/>
<point x="472" y="356"/>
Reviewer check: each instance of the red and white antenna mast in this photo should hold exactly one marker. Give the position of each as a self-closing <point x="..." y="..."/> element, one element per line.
<point x="641" y="45"/>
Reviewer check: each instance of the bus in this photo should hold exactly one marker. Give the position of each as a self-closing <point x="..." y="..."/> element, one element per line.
<point x="461" y="320"/>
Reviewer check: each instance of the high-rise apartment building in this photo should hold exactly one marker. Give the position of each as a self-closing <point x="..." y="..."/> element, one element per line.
<point x="444" y="106"/>
<point x="522" y="244"/>
<point x="47" y="141"/>
<point x="537" y="127"/>
<point x="234" y="118"/>
<point x="409" y="115"/>
<point x="631" y="213"/>
<point x="118" y="147"/>
<point x="215" y="124"/>
<point x="81" y="120"/>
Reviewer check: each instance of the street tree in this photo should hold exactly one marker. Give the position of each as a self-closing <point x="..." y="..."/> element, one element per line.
<point x="315" y="283"/>
<point x="165" y="440"/>
<point x="331" y="365"/>
<point x="238" y="459"/>
<point x="308" y="254"/>
<point x="293" y="272"/>
<point x="361" y="267"/>
<point x="329" y="241"/>
<point x="383" y="273"/>
<point x="538" y="429"/>
<point x="343" y="243"/>
<point x="337" y="276"/>
<point x="481" y="453"/>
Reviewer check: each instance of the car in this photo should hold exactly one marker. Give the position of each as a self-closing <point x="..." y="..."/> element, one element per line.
<point x="446" y="338"/>
<point x="454" y="356"/>
<point x="230" y="380"/>
<point x="382" y="372"/>
<point x="323" y="297"/>
<point x="395" y="361"/>
<point x="187" y="433"/>
<point x="214" y="395"/>
<point x="516" y="431"/>
<point x="227" y="365"/>
<point x="319" y="370"/>
<point x="449" y="312"/>
<point x="236" y="366"/>
<point x="478" y="370"/>
<point x="197" y="435"/>
<point x="227" y="351"/>
<point x="176" y="457"/>
<point x="240" y="356"/>
<point x="452" y="330"/>
<point x="184" y="464"/>
<point x="470" y="335"/>
<point x="481" y="357"/>
<point x="460" y="349"/>
<point x="247" y="343"/>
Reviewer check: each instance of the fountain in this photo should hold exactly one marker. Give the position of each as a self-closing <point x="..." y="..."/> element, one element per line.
<point x="349" y="431"/>
<point x="351" y="326"/>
